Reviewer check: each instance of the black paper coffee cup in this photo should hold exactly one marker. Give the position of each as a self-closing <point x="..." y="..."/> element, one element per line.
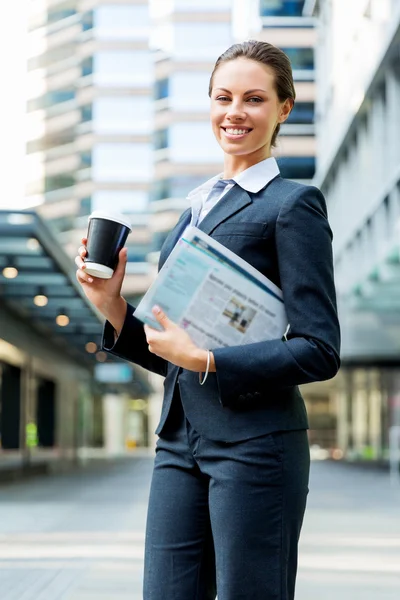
<point x="106" y="236"/>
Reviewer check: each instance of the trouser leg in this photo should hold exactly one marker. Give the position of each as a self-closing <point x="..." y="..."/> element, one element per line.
<point x="179" y="552"/>
<point x="258" y="491"/>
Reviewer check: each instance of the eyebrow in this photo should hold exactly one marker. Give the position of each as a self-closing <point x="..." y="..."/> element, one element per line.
<point x="248" y="91"/>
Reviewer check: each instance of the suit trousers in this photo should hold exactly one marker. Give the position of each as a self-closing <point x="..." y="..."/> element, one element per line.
<point x="224" y="517"/>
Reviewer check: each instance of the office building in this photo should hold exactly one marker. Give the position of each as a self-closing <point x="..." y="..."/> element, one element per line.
<point x="358" y="170"/>
<point x="90" y="119"/>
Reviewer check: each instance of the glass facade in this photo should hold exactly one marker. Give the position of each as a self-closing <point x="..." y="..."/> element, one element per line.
<point x="297" y="167"/>
<point x="161" y="89"/>
<point x="116" y="22"/>
<point x="128" y="201"/>
<point x="64" y="180"/>
<point x="368" y="406"/>
<point x="201" y="41"/>
<point x="123" y="68"/>
<point x="281" y="8"/>
<point x="302" y="113"/>
<point x="124" y="162"/>
<point x="301" y="58"/>
<point x="122" y="115"/>
<point x="193" y="142"/>
<point x="177" y="187"/>
<point x="51" y="98"/>
<point x="189" y="91"/>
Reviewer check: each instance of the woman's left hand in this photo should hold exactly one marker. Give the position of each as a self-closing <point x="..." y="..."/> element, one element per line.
<point x="174" y="344"/>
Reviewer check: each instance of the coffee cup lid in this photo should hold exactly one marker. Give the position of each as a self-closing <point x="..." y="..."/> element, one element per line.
<point x="111" y="216"/>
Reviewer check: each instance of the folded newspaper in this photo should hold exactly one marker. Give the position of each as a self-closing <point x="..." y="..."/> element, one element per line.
<point x="217" y="297"/>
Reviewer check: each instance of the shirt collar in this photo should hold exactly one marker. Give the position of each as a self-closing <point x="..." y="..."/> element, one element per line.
<point x="253" y="179"/>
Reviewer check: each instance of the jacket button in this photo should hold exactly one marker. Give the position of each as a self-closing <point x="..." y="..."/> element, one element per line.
<point x="241" y="398"/>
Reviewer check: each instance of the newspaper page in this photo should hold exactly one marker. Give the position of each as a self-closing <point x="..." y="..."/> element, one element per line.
<point x="216" y="296"/>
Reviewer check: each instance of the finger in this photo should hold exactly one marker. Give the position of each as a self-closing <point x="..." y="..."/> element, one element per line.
<point x="82" y="251"/>
<point x="161" y="317"/>
<point x="122" y="260"/>
<point x="84" y="241"/>
<point x="83" y="277"/>
<point x="79" y="262"/>
<point x="149" y="333"/>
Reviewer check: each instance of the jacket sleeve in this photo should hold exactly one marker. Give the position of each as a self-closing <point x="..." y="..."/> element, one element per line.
<point x="131" y="344"/>
<point x="311" y="352"/>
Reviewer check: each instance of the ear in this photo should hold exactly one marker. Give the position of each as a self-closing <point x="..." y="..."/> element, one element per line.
<point x="286" y="109"/>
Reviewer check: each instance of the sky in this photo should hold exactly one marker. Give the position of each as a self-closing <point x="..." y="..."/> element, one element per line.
<point x="13" y="51"/>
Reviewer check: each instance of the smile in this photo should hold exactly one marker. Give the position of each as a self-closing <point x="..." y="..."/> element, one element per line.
<point x="235" y="132"/>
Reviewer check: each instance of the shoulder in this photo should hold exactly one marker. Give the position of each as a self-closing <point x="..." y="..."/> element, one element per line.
<point x="295" y="195"/>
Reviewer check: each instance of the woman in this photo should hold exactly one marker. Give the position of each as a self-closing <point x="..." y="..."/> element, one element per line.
<point x="231" y="469"/>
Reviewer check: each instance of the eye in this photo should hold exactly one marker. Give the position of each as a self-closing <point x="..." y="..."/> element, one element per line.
<point x="254" y="99"/>
<point x="222" y="98"/>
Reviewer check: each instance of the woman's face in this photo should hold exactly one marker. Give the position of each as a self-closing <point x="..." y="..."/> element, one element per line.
<point x="245" y="108"/>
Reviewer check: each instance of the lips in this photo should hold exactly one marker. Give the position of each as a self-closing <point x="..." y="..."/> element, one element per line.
<point x="242" y="130"/>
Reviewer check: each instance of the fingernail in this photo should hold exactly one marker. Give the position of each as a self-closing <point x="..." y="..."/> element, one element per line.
<point x="90" y="280"/>
<point x="156" y="309"/>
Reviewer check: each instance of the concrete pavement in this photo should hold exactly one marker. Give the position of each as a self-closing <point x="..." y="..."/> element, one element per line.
<point x="79" y="536"/>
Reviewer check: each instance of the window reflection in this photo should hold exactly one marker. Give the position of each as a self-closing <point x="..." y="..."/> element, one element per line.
<point x="281" y="8"/>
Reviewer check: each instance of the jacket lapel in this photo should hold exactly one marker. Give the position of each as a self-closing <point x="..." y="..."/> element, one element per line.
<point x="174" y="236"/>
<point x="233" y="201"/>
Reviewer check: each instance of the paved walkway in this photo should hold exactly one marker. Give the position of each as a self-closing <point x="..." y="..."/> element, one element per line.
<point x="80" y="536"/>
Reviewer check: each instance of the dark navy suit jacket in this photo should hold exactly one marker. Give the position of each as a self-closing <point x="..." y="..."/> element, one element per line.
<point x="283" y="232"/>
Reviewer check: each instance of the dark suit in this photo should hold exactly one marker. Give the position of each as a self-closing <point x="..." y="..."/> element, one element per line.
<point x="251" y="406"/>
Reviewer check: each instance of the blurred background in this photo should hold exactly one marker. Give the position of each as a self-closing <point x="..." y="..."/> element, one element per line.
<point x="104" y="104"/>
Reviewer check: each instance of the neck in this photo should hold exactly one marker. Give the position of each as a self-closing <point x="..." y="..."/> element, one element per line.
<point x="233" y="165"/>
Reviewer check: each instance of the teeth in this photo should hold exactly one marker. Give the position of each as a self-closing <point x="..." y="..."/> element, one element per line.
<point x="237" y="131"/>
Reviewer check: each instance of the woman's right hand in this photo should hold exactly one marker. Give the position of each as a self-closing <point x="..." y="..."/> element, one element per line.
<point x="103" y="293"/>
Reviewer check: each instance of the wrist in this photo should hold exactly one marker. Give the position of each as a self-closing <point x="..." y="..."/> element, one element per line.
<point x="114" y="310"/>
<point x="199" y="361"/>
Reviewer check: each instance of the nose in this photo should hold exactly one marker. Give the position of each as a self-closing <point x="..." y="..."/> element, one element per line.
<point x="236" y="112"/>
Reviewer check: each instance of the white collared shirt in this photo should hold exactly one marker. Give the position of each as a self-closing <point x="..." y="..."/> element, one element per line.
<point x="252" y="180"/>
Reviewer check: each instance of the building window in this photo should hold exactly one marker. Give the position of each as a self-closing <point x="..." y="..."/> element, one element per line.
<point x="297" y="167"/>
<point x="158" y="239"/>
<point x="160" y="189"/>
<point x="123" y="201"/>
<point x="87" y="20"/>
<point x="122" y="162"/>
<point x="125" y="115"/>
<point x="161" y="89"/>
<point x="137" y="252"/>
<point x="87" y="66"/>
<point x="189" y="91"/>
<point x="50" y="99"/>
<point x="123" y="68"/>
<point x="302" y="113"/>
<point x="200" y="41"/>
<point x="301" y="58"/>
<point x="86" y="113"/>
<point x="193" y="142"/>
<point x="86" y="159"/>
<point x="177" y="187"/>
<point x="58" y="182"/>
<point x="281" y="8"/>
<point x="53" y="16"/>
<point x="119" y="22"/>
<point x="85" y="206"/>
<point x="160" y="139"/>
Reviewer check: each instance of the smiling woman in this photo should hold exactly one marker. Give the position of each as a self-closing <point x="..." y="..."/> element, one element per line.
<point x="230" y="478"/>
